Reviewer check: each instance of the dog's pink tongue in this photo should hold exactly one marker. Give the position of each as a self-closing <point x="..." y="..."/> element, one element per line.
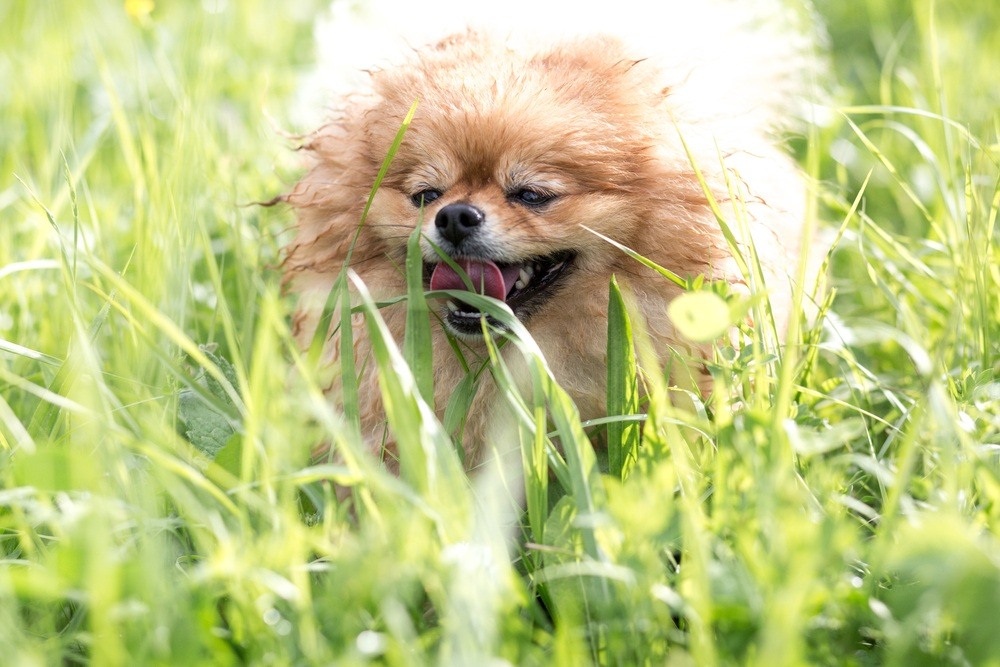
<point x="486" y="277"/>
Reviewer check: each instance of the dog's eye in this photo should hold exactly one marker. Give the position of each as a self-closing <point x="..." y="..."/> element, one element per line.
<point x="425" y="197"/>
<point x="531" y="197"/>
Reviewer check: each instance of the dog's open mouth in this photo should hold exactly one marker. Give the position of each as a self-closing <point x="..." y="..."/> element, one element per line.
<point x="523" y="286"/>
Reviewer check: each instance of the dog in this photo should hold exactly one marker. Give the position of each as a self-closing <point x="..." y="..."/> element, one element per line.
<point x="523" y="157"/>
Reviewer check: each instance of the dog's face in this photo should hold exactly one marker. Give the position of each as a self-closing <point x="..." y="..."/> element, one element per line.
<point x="507" y="161"/>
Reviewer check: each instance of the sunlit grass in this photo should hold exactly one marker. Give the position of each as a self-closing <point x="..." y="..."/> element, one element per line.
<point x="838" y="503"/>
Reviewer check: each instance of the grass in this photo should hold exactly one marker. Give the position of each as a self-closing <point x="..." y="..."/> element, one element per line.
<point x="843" y="508"/>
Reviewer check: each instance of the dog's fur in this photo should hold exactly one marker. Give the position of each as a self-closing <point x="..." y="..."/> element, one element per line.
<point x="590" y="122"/>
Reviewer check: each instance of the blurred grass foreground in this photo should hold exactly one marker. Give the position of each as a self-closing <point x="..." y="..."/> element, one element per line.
<point x="842" y="508"/>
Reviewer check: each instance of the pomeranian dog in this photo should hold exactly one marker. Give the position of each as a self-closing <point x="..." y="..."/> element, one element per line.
<point x="521" y="154"/>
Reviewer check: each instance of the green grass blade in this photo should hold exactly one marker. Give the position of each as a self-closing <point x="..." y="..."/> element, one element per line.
<point x="348" y="364"/>
<point x="457" y="410"/>
<point x="622" y="386"/>
<point x="666" y="273"/>
<point x="417" y="348"/>
<point x="326" y="317"/>
<point x="427" y="460"/>
<point x="727" y="232"/>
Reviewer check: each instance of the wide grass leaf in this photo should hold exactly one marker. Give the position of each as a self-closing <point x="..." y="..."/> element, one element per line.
<point x="622" y="386"/>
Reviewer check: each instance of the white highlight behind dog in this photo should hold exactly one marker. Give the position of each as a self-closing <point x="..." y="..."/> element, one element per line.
<point x="742" y="59"/>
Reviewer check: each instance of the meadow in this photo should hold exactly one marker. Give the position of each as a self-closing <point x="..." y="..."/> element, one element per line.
<point x="158" y="501"/>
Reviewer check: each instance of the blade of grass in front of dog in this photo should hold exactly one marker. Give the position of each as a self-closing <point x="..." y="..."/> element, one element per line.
<point x="751" y="271"/>
<point x="765" y="330"/>
<point x="499" y="311"/>
<point x="622" y="386"/>
<point x="383" y="170"/>
<point x="587" y="488"/>
<point x="666" y="273"/>
<point x="533" y="440"/>
<point x="427" y="460"/>
<point x="579" y="474"/>
<point x="450" y="261"/>
<point x="460" y="403"/>
<point x="326" y="317"/>
<point x="457" y="410"/>
<point x="340" y="294"/>
<point x="588" y="495"/>
<point x="535" y="462"/>
<point x="417" y="348"/>
<point x="713" y="205"/>
<point x="527" y="417"/>
<point x="323" y="330"/>
<point x="348" y="369"/>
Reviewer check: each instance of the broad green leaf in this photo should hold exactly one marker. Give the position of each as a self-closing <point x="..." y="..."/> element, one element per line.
<point x="206" y="428"/>
<point x="622" y="386"/>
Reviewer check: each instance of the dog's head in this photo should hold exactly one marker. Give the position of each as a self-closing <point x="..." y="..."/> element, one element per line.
<point x="508" y="159"/>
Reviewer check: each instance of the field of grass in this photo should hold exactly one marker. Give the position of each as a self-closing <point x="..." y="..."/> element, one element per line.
<point x="842" y="508"/>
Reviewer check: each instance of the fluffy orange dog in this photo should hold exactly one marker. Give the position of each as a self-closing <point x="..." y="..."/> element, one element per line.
<point x="512" y="153"/>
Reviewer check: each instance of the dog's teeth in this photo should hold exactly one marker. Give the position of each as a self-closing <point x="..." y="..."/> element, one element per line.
<point x="452" y="306"/>
<point x="525" y="276"/>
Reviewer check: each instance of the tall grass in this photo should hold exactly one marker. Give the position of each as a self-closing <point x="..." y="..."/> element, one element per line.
<point x="837" y="505"/>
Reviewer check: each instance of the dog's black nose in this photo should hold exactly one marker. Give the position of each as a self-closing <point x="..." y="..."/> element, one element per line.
<point x="457" y="221"/>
